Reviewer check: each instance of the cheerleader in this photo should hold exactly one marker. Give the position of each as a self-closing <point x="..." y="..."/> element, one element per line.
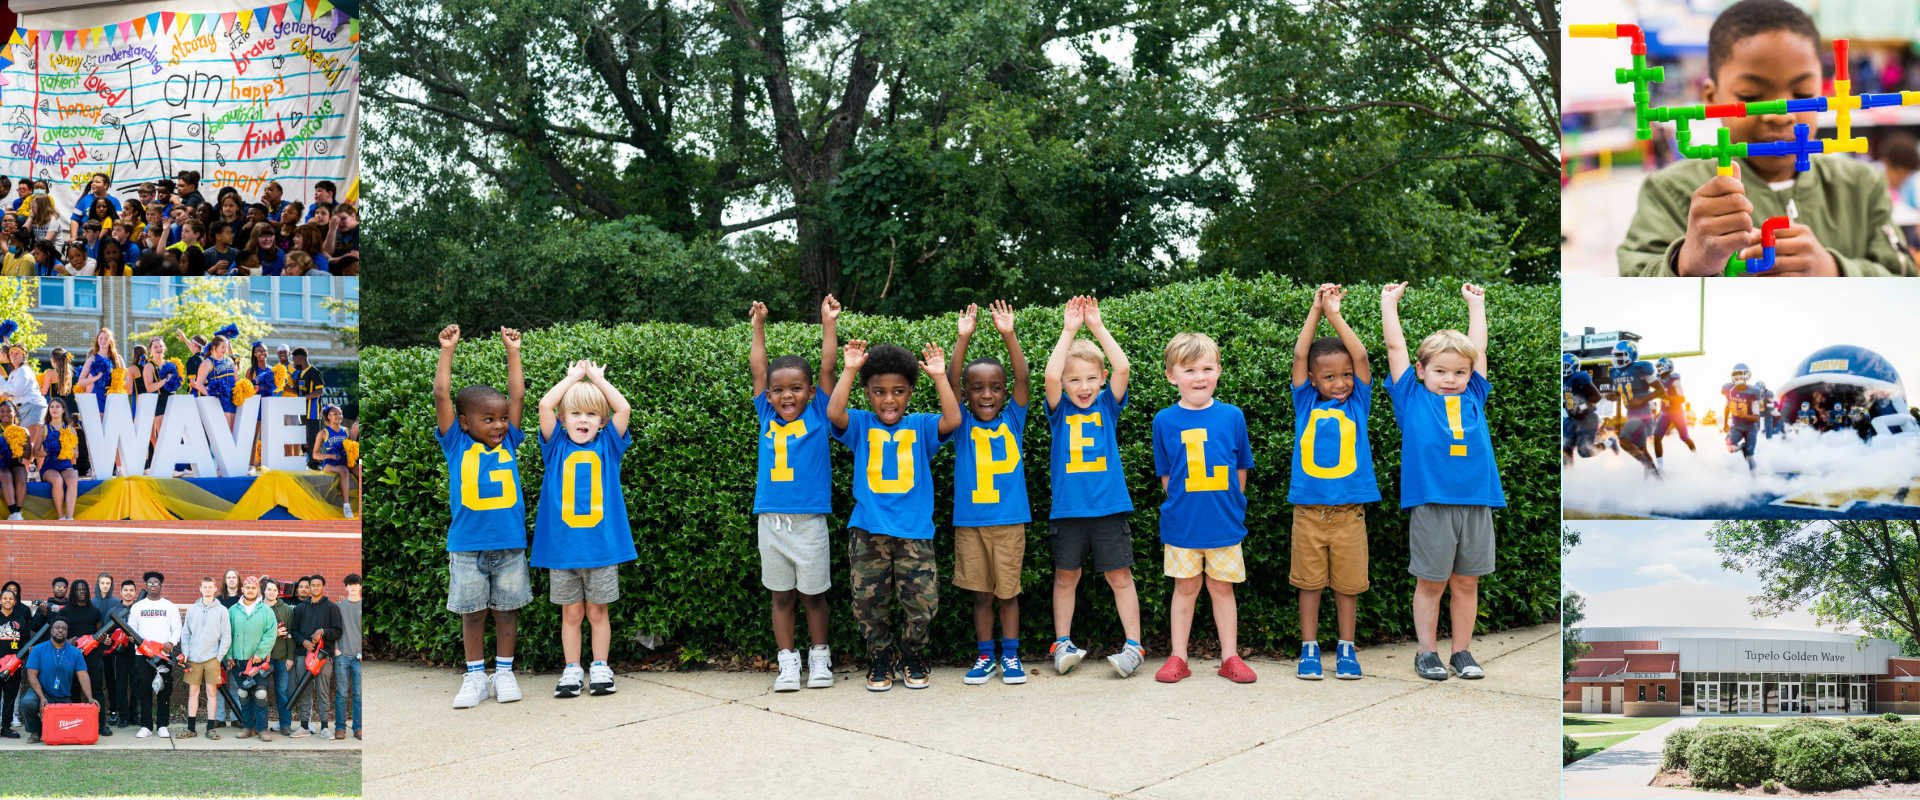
<point x="56" y="384"/>
<point x="105" y="372"/>
<point x="22" y="386"/>
<point x="161" y="377"/>
<point x="58" y="450"/>
<point x="14" y="456"/>
<point x="264" y="385"/>
<point x="216" y="376"/>
<point x="331" y="444"/>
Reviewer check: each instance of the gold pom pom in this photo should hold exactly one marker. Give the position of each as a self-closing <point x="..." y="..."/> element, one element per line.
<point x="119" y="383"/>
<point x="353" y="452"/>
<point x="242" y="390"/>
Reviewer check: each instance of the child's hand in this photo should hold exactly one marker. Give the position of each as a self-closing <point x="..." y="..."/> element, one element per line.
<point x="1330" y="299"/>
<point x="934" y="360"/>
<point x="1797" y="253"/>
<point x="595" y="372"/>
<point x="510" y="338"/>
<point x="1391" y="292"/>
<point x="577" y="370"/>
<point x="1074" y="315"/>
<point x="1719" y="224"/>
<point x="758" y="313"/>
<point x="855" y="353"/>
<point x="829" y="309"/>
<point x="1474" y="295"/>
<point x="967" y="320"/>
<point x="1003" y="317"/>
<point x="1092" y="312"/>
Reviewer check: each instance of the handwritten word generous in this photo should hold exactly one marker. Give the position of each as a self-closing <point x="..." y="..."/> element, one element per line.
<point x="182" y="49"/>
<point x="236" y="115"/>
<point x="327" y="64"/>
<point x="305" y="28"/>
<point x="78" y="110"/>
<point x="242" y="60"/>
<point x="306" y="132"/>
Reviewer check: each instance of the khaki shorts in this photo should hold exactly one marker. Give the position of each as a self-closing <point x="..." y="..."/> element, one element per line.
<point x="1330" y="548"/>
<point x="1222" y="564"/>
<point x="204" y="673"/>
<point x="988" y="558"/>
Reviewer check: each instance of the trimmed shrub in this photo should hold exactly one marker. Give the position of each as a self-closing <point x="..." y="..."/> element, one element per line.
<point x="1812" y="760"/>
<point x="689" y="477"/>
<point x="1797" y="725"/>
<point x="1567" y="748"/>
<point x="1890" y="717"/>
<point x="1673" y="752"/>
<point x="1723" y="757"/>
<point x="1885" y="751"/>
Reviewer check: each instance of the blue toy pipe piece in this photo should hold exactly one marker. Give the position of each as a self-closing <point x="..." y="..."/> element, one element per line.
<point x="1809" y="104"/>
<point x="1879" y="100"/>
<point x="1763" y="263"/>
<point x="1800" y="148"/>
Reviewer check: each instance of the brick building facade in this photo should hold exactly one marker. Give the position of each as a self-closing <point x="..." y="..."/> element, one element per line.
<point x="1674" y="671"/>
<point x="36" y="553"/>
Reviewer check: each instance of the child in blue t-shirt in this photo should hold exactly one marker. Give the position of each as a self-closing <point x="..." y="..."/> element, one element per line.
<point x="487" y="542"/>
<point x="1447" y="473"/>
<point x="1332" y="480"/>
<point x="580" y="535"/>
<point x="990" y="511"/>
<point x="1090" y="500"/>
<point x="891" y="533"/>
<point x="792" y="493"/>
<point x="1201" y="453"/>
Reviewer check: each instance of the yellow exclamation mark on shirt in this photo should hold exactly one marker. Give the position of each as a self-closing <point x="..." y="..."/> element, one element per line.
<point x="1453" y="422"/>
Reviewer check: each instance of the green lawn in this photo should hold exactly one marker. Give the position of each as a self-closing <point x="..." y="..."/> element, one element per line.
<point x="1574" y="724"/>
<point x="183" y="773"/>
<point x="1594" y="744"/>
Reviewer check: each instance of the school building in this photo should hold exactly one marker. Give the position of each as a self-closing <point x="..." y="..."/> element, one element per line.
<point x="1679" y="671"/>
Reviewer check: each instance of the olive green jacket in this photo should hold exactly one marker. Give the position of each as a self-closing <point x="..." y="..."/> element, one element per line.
<point x="1843" y="201"/>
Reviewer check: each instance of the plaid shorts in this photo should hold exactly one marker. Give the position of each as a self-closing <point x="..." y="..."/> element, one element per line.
<point x="1220" y="563"/>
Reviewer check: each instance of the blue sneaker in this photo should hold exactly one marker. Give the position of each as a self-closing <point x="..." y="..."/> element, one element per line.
<point x="1010" y="671"/>
<point x="1310" y="662"/>
<point x="983" y="669"/>
<point x="1346" y="664"/>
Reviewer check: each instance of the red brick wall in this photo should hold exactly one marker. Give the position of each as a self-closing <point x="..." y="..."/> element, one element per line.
<point x="185" y="551"/>
<point x="1653" y="692"/>
<point x="1649" y="662"/>
<point x="1618" y="649"/>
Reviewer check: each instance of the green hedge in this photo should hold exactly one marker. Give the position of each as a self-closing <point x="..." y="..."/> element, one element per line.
<point x="689" y="477"/>
<point x="1736" y="754"/>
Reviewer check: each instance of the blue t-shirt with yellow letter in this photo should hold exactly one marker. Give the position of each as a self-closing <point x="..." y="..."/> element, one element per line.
<point x="796" y="474"/>
<point x="483" y="487"/>
<point x="1085" y="464"/>
<point x="892" y="476"/>
<point x="1200" y="453"/>
<point x="989" y="475"/>
<point x="1332" y="464"/>
<point x="1446" y="453"/>
<point x="582" y="521"/>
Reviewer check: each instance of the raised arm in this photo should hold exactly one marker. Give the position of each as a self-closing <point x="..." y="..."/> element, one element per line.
<point x="934" y="362"/>
<point x="829" y="338"/>
<point x="621" y="412"/>
<point x="1071" y="318"/>
<point x="1362" y="369"/>
<point x="1304" y="342"/>
<point x="550" y="402"/>
<point x="856" y="354"/>
<point x="1122" y="368"/>
<point x="1397" y="360"/>
<point x="757" y="352"/>
<point x="956" y="370"/>
<point x="1477" y="323"/>
<point x="516" y="379"/>
<point x="1003" y="320"/>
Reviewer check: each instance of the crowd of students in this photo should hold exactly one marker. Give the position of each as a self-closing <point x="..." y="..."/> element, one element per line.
<point x="252" y="631"/>
<point x="170" y="228"/>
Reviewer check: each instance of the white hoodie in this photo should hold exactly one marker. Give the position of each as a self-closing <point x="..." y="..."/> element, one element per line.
<point x="156" y="620"/>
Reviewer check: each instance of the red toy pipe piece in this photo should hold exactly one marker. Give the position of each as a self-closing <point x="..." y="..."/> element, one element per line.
<point x="1639" y="38"/>
<point x="1767" y="228"/>
<point x="1840" y="60"/>
<point x="1727" y="110"/>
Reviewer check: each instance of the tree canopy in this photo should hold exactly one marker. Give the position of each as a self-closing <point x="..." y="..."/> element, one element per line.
<point x="912" y="156"/>
<point x="1860" y="573"/>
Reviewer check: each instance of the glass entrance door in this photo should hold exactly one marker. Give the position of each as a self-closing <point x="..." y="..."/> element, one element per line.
<point x="1857" y="698"/>
<point x="1706" y="697"/>
<point x="1750" y="699"/>
<point x="1827" y="697"/>
<point x="1789" y="698"/>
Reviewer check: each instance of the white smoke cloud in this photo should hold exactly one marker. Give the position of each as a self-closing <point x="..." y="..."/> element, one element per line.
<point x="1661" y="574"/>
<point x="1695" y="482"/>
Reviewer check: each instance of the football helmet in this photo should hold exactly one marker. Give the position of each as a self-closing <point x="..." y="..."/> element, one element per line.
<point x="1741" y="374"/>
<point x="1663" y="367"/>
<point x="1624" y="354"/>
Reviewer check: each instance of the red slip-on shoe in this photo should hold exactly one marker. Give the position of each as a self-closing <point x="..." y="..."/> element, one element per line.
<point x="1173" y="670"/>
<point x="1235" y="670"/>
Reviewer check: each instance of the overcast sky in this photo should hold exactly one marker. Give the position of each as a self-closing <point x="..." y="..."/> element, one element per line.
<point x="1622" y="555"/>
<point x="1769" y="324"/>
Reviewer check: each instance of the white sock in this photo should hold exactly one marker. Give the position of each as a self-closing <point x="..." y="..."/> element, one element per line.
<point x="1304" y="643"/>
<point x="820" y="648"/>
<point x="1347" y="643"/>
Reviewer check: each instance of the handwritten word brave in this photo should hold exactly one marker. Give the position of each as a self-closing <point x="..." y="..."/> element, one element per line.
<point x="327" y="64"/>
<point x="241" y="61"/>
<point x="238" y="114"/>
<point x="78" y="110"/>
<point x="101" y="88"/>
<point x="258" y="93"/>
<point x="306" y="28"/>
<point x="182" y="49"/>
<point x="132" y="50"/>
<point x="69" y="62"/>
<point x="255" y="142"/>
<point x="72" y="132"/>
<point x="27" y="150"/>
<point x="51" y="82"/>
<point x="306" y="132"/>
<point x="251" y="184"/>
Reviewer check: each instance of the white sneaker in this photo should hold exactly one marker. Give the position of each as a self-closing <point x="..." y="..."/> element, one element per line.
<point x="570" y="680"/>
<point x="347" y="508"/>
<point x="144" y="733"/>
<point x="163" y="733"/>
<point x="599" y="680"/>
<point x="820" y="668"/>
<point x="506" y="688"/>
<point x="789" y="678"/>
<point x="1066" y="656"/>
<point x="473" y="689"/>
<point x="15" y="515"/>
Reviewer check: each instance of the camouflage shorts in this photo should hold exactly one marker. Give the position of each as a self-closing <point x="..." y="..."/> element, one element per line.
<point x="884" y="566"/>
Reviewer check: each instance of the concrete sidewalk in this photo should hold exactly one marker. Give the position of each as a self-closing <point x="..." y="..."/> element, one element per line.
<point x="1627" y="766"/>
<point x="1089" y="734"/>
<point x="124" y="739"/>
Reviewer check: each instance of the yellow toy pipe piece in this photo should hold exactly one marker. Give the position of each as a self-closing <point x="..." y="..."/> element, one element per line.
<point x="1606" y="31"/>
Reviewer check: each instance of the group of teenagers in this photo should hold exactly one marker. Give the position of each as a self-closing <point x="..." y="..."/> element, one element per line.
<point x="39" y="409"/>
<point x="170" y="228"/>
<point x="1449" y="482"/>
<point x="254" y="632"/>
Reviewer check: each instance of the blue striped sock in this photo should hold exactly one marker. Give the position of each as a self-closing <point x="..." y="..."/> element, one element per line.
<point x="1132" y="643"/>
<point x="477" y="666"/>
<point x="502" y="664"/>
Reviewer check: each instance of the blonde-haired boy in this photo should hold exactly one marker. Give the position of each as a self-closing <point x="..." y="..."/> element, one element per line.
<point x="1202" y="453"/>
<point x="581" y="534"/>
<point x="1447" y="473"/>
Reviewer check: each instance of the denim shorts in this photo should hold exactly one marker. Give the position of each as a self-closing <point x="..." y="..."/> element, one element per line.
<point x="478" y="580"/>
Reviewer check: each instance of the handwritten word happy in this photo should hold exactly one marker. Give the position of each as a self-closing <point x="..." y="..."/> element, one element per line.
<point x="259" y="93"/>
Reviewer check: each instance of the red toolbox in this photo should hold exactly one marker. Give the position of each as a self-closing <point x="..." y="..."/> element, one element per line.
<point x="70" y="723"/>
